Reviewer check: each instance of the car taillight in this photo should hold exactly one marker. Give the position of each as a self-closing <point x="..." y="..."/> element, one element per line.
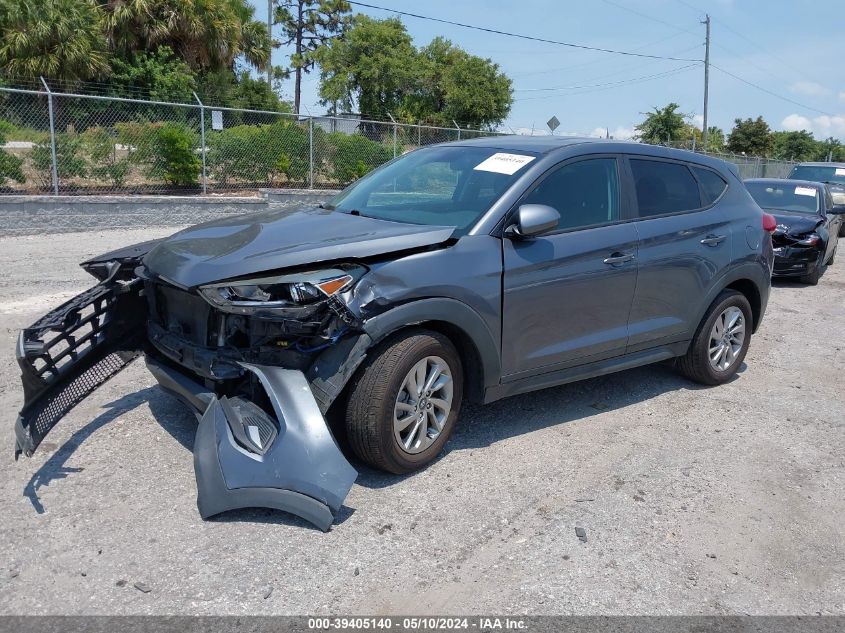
<point x="769" y="223"/>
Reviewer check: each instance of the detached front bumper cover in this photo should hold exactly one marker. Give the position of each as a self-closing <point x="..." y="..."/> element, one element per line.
<point x="244" y="456"/>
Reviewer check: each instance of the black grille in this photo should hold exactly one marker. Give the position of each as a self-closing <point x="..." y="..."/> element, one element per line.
<point x="780" y="239"/>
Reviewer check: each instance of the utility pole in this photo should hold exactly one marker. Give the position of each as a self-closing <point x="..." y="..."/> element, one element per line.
<point x="706" y="81"/>
<point x="270" y="32"/>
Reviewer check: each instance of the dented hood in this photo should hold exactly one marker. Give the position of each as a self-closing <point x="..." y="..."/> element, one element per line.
<point x="795" y="223"/>
<point x="276" y="239"/>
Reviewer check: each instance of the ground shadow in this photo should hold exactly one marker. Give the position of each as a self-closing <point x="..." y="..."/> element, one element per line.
<point x="55" y="467"/>
<point x="479" y="427"/>
<point x="788" y="282"/>
<point x="483" y="425"/>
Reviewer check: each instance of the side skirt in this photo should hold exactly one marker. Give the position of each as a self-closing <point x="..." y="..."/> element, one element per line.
<point x="583" y="372"/>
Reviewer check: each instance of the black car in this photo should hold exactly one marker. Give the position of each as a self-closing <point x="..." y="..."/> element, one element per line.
<point x="831" y="174"/>
<point x="808" y="225"/>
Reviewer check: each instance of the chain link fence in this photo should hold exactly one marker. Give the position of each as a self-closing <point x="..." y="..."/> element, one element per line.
<point x="749" y="166"/>
<point x="66" y="143"/>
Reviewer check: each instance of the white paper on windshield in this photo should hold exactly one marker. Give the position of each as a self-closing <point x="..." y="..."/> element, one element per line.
<point x="805" y="191"/>
<point x="840" y="171"/>
<point x="502" y="163"/>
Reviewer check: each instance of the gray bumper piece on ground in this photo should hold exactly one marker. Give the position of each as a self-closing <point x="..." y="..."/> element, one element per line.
<point x="297" y="468"/>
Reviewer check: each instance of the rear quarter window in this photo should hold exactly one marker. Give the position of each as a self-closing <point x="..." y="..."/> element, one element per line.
<point x="712" y="184"/>
<point x="663" y="187"/>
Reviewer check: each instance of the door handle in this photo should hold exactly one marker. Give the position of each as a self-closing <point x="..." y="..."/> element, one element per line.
<point x="714" y="240"/>
<point x="618" y="258"/>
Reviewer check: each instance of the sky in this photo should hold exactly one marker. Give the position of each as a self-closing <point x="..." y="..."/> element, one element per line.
<point x="792" y="48"/>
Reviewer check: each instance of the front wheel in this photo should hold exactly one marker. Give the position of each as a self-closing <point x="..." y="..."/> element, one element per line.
<point x="720" y="342"/>
<point x="813" y="278"/>
<point x="404" y="401"/>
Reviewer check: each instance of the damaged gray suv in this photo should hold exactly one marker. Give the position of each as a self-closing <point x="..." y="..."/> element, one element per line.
<point x="469" y="271"/>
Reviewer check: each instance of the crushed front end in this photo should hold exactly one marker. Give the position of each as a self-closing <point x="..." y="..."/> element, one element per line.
<point x="798" y="252"/>
<point x="259" y="361"/>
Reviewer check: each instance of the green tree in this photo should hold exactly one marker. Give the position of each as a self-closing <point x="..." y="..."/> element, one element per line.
<point x="352" y="156"/>
<point x="455" y="86"/>
<point x="56" y="39"/>
<point x="829" y="148"/>
<point x="751" y="136"/>
<point x="691" y="135"/>
<point x="663" y="125"/>
<point x="239" y="90"/>
<point x="160" y="74"/>
<point x="715" y="139"/>
<point x="69" y="159"/>
<point x="11" y="167"/>
<point x="103" y="156"/>
<point x="307" y="25"/>
<point x="798" y="146"/>
<point x="374" y="66"/>
<point x="207" y="35"/>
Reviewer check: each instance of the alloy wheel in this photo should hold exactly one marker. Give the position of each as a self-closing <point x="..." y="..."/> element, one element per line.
<point x="423" y="404"/>
<point x="726" y="338"/>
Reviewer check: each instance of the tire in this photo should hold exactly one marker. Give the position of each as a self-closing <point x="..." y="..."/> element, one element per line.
<point x="696" y="363"/>
<point x="380" y="385"/>
<point x="813" y="278"/>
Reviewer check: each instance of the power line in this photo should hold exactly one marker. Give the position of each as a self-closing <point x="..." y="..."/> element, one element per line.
<point x="603" y="76"/>
<point x="650" y="17"/>
<point x="769" y="92"/>
<point x="601" y="61"/>
<point x="521" y="36"/>
<point x="736" y="33"/>
<point x="604" y="86"/>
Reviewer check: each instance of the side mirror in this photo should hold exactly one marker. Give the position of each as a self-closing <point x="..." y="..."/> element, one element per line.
<point x="838" y="209"/>
<point x="533" y="219"/>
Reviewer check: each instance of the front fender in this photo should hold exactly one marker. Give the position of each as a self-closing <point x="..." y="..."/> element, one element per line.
<point x="447" y="311"/>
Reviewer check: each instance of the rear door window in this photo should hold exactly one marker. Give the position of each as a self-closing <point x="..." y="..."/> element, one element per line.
<point x="663" y="187"/>
<point x="712" y="184"/>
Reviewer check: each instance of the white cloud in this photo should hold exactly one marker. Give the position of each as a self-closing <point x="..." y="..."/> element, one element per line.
<point x="796" y="122"/>
<point x="821" y="126"/>
<point x="809" y="88"/>
<point x="620" y="133"/>
<point x="842" y="96"/>
<point x="826" y="126"/>
<point x="698" y="120"/>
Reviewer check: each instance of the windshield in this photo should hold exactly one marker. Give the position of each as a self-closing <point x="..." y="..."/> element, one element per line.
<point x="818" y="173"/>
<point x="783" y="197"/>
<point x="446" y="186"/>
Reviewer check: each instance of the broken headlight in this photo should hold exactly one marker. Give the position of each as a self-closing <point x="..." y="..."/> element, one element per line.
<point x="811" y="239"/>
<point x="279" y="292"/>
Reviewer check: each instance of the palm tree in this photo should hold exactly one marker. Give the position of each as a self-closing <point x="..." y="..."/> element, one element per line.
<point x="60" y="39"/>
<point x="206" y="34"/>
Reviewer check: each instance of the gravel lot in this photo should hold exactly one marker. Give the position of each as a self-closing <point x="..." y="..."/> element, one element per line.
<point x="694" y="501"/>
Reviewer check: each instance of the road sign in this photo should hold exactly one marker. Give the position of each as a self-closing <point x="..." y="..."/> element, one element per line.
<point x="553" y="123"/>
<point x="217" y="119"/>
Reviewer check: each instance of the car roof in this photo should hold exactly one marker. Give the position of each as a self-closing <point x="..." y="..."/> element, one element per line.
<point x="547" y="144"/>
<point x="789" y="182"/>
<point x="518" y="142"/>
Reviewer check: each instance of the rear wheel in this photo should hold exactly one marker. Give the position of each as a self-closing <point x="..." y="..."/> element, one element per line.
<point x="720" y="342"/>
<point x="404" y="401"/>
